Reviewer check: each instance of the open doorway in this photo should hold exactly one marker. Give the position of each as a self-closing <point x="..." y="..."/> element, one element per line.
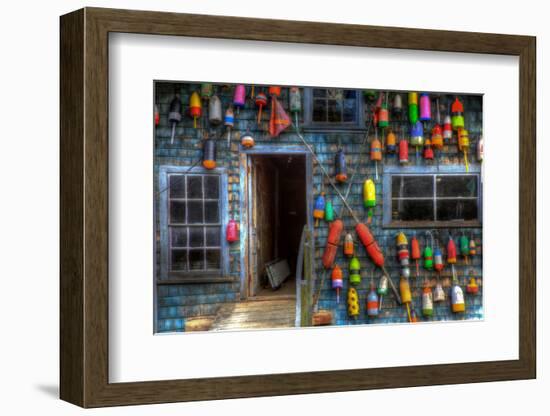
<point x="278" y="213"/>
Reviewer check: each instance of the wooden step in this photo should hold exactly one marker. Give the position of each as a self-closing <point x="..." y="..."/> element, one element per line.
<point x="277" y="313"/>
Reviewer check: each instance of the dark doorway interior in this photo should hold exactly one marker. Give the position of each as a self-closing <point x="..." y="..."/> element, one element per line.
<point x="279" y="215"/>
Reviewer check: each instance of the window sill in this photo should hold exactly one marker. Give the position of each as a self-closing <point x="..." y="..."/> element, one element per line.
<point x="433" y="224"/>
<point x="196" y="279"/>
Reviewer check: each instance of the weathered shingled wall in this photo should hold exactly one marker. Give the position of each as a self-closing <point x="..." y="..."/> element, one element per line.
<point x="179" y="302"/>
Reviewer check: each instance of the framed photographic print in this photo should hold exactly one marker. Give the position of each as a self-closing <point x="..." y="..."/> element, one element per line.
<point x="257" y="207"/>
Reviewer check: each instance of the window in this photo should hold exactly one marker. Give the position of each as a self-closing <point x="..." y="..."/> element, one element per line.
<point x="191" y="223"/>
<point x="332" y="108"/>
<point x="432" y="199"/>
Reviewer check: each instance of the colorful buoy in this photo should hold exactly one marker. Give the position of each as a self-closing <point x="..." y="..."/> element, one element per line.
<point x="329" y="211"/>
<point x="354" y="271"/>
<point x="369" y="198"/>
<point x="353" y="303"/>
<point x="319" y="208"/>
<point x="195" y="107"/>
<point x="457" y="115"/>
<point x="372" y="302"/>
<point x="337" y="281"/>
<point x="425" y="107"/>
<point x="209" y="154"/>
<point x="348" y="245"/>
<point x="413" y="107"/>
<point x="340" y="166"/>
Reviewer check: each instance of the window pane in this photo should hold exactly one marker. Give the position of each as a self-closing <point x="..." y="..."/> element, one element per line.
<point x="211" y="212"/>
<point x="461" y="209"/>
<point x="195" y="215"/>
<point x="194" y="187"/>
<point x="196" y="237"/>
<point x="412" y="186"/>
<point x="179" y="236"/>
<point x="212" y="236"/>
<point x="319" y="92"/>
<point x="196" y="259"/>
<point x="320" y="110"/>
<point x="412" y="210"/>
<point x="334" y="111"/>
<point x="335" y="94"/>
<point x="213" y="259"/>
<point x="179" y="260"/>
<point x="212" y="187"/>
<point x="177" y="212"/>
<point x="349" y="111"/>
<point x="350" y="94"/>
<point x="177" y="186"/>
<point x="457" y="185"/>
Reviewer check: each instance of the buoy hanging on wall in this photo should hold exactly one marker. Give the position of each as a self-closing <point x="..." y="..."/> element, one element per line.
<point x="329" y="211"/>
<point x="209" y="154"/>
<point x="340" y="166"/>
<point x="261" y="102"/>
<point x="335" y="229"/>
<point x="428" y="151"/>
<point x="447" y="129"/>
<point x="229" y="121"/>
<point x="295" y="103"/>
<point x="157" y="116"/>
<point x="403" y="151"/>
<point x="425" y="107"/>
<point x="274" y="91"/>
<point x="472" y="288"/>
<point x="353" y="303"/>
<point x="369" y="198"/>
<point x="174" y="115"/>
<point x="457" y="115"/>
<point x="319" y="208"/>
<point x="428" y="253"/>
<point x="372" y="302"/>
<point x="376" y="152"/>
<point x="382" y="289"/>
<point x="413" y="107"/>
<point x="337" y="281"/>
<point x="397" y="108"/>
<point x="348" y="245"/>
<point x="247" y="140"/>
<point x="232" y="231"/>
<point x="437" y="137"/>
<point x="391" y="142"/>
<point x="195" y="107"/>
<point x="427" y="300"/>
<point x="464" y="145"/>
<point x="479" y="149"/>
<point x="406" y="296"/>
<point x="415" y="253"/>
<point x="464" y="245"/>
<point x="383" y="116"/>
<point x="215" y="110"/>
<point x="239" y="97"/>
<point x="354" y="271"/>
<point x="402" y="249"/>
<point x="457" y="297"/>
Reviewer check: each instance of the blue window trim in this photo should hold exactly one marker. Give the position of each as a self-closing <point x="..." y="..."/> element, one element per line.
<point x="191" y="277"/>
<point x="390" y="171"/>
<point x="308" y="123"/>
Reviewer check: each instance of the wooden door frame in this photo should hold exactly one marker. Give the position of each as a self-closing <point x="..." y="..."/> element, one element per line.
<point x="244" y="188"/>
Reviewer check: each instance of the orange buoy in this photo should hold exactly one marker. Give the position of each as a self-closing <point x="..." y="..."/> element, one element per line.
<point x="348" y="245"/>
<point x="333" y="240"/>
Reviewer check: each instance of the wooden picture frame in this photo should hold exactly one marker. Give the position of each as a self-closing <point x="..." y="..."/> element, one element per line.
<point x="84" y="207"/>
